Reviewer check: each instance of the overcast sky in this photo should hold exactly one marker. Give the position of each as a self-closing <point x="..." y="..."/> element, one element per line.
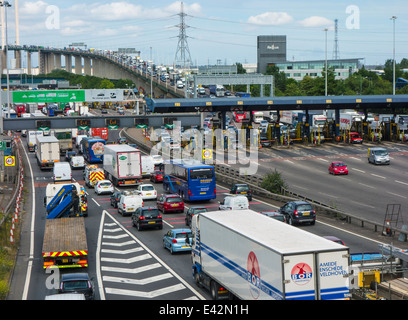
<point x="223" y="30"/>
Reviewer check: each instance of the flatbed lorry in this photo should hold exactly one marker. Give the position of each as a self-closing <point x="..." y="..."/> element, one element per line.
<point x="64" y="242"/>
<point x="246" y="255"/>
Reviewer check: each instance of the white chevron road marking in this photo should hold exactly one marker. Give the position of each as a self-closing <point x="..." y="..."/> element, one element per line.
<point x="141" y="294"/>
<point x="138" y="281"/>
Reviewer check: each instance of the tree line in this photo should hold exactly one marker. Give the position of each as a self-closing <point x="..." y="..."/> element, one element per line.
<point x="362" y="82"/>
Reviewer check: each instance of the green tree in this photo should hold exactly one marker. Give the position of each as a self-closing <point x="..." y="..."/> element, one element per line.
<point x="274" y="182"/>
<point x="106" y="84"/>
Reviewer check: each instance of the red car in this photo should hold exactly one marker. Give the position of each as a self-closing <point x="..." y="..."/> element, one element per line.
<point x="170" y="203"/>
<point x="156" y="176"/>
<point x="355" y="138"/>
<point x="338" y="167"/>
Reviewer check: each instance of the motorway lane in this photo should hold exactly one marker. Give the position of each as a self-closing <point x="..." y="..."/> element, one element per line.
<point x="174" y="279"/>
<point x="368" y="187"/>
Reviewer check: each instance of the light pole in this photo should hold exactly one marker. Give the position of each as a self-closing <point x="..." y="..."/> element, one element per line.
<point x="393" y="18"/>
<point x="6" y="4"/>
<point x="325" y="63"/>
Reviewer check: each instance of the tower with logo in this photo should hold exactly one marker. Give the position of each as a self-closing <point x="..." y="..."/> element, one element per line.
<point x="270" y="50"/>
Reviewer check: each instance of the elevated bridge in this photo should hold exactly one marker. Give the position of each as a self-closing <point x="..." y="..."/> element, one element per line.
<point x="97" y="64"/>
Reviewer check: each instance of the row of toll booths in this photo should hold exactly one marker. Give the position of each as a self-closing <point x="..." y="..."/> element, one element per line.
<point x="381" y="128"/>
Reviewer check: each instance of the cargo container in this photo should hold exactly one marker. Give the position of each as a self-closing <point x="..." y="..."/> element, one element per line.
<point x="246" y="255"/>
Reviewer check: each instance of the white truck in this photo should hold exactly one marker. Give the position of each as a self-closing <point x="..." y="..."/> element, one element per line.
<point x="246" y="255"/>
<point x="47" y="151"/>
<point x="147" y="165"/>
<point x="32" y="139"/>
<point x="122" y="164"/>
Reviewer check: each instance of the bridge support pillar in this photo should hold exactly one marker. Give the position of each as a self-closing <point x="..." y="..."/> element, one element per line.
<point x="68" y="62"/>
<point x="96" y="68"/>
<point x="3" y="61"/>
<point x="50" y="58"/>
<point x="87" y="66"/>
<point x="29" y="71"/>
<point x="17" y="56"/>
<point x="78" y="65"/>
<point x="41" y="62"/>
<point x="57" y="60"/>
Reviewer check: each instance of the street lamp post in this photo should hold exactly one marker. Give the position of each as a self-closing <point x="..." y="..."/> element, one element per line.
<point x="325" y="63"/>
<point x="6" y="4"/>
<point x="393" y="18"/>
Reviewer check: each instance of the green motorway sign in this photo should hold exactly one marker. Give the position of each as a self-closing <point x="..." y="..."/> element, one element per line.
<point x="48" y="96"/>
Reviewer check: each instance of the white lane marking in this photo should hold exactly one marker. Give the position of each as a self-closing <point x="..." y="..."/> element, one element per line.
<point x="96" y="202"/>
<point x="376" y="175"/>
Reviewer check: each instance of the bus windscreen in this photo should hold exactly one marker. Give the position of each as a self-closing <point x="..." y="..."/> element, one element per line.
<point x="205" y="173"/>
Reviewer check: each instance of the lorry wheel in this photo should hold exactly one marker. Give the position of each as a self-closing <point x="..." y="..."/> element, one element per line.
<point x="197" y="279"/>
<point x="214" y="290"/>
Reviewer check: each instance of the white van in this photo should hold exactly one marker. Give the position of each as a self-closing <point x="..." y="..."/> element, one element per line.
<point x="129" y="202"/>
<point x="147" y="165"/>
<point x="234" y="203"/>
<point x="77" y="162"/>
<point x="62" y="171"/>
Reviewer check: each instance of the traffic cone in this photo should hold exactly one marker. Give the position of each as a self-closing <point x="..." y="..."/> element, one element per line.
<point x="387" y="229"/>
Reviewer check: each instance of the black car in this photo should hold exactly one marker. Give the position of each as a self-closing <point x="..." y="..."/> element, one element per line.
<point x="147" y="217"/>
<point x="114" y="198"/>
<point x="298" y="212"/>
<point x="77" y="283"/>
<point x="191" y="212"/>
<point x="104" y="110"/>
<point x="242" y="189"/>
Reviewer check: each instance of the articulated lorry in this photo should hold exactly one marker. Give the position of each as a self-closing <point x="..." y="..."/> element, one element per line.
<point x="64" y="242"/>
<point x="47" y="151"/>
<point x="246" y="255"/>
<point x="122" y="164"/>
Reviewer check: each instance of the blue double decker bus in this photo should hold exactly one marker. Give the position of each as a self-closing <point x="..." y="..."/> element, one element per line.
<point x="191" y="179"/>
<point x="92" y="149"/>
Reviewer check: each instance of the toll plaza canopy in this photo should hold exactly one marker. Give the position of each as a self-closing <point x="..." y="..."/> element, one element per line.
<point x="277" y="103"/>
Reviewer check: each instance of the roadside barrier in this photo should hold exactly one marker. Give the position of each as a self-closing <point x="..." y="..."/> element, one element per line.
<point x="16" y="199"/>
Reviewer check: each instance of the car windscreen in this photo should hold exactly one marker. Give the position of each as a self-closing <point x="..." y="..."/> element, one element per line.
<point x="339" y="164"/>
<point x="75" y="285"/>
<point x="242" y="188"/>
<point x="304" y="207"/>
<point x="205" y="173"/>
<point x="147" y="188"/>
<point x="181" y="235"/>
<point x="105" y="184"/>
<point x="195" y="211"/>
<point x="173" y="199"/>
<point x="380" y="152"/>
<point x="150" y="213"/>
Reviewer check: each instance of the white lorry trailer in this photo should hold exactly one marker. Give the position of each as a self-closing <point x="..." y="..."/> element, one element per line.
<point x="246" y="255"/>
<point x="32" y="139"/>
<point x="47" y="151"/>
<point x="122" y="164"/>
